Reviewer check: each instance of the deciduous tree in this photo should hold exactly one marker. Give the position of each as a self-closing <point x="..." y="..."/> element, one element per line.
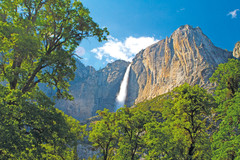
<point x="38" y="39"/>
<point x="104" y="133"/>
<point x="186" y="120"/>
<point x="226" y="142"/>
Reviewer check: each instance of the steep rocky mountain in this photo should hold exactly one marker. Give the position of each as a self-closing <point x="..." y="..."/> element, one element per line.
<point x="186" y="56"/>
<point x="93" y="90"/>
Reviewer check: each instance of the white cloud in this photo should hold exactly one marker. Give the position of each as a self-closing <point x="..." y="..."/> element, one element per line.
<point x="80" y="51"/>
<point x="126" y="50"/>
<point x="109" y="60"/>
<point x="180" y="10"/>
<point x="233" y="13"/>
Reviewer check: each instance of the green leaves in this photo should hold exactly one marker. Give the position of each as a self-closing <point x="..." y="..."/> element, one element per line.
<point x="132" y="128"/>
<point x="43" y="34"/>
<point x="226" y="139"/>
<point x="226" y="142"/>
<point x="183" y="133"/>
<point x="119" y="135"/>
<point x="227" y="77"/>
<point x="31" y="127"/>
<point x="104" y="133"/>
<point x="38" y="39"/>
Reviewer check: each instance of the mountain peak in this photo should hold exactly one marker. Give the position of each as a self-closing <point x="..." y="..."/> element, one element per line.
<point x="187" y="56"/>
<point x="188" y="27"/>
<point x="188" y="31"/>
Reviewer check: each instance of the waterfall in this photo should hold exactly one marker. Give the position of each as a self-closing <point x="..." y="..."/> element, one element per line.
<point x="122" y="94"/>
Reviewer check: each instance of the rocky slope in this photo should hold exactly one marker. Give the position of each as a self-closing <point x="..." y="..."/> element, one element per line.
<point x="236" y="51"/>
<point x="186" y="56"/>
<point x="93" y="90"/>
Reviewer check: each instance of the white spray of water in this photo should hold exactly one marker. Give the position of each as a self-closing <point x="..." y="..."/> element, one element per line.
<point x="122" y="94"/>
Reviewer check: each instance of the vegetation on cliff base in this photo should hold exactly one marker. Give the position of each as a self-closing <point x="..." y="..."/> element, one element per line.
<point x="187" y="123"/>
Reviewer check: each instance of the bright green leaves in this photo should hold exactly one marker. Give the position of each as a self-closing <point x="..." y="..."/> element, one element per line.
<point x="119" y="135"/>
<point x="226" y="139"/>
<point x="32" y="128"/>
<point x="157" y="140"/>
<point x="227" y="77"/>
<point x="183" y="133"/>
<point x="38" y="39"/>
<point x="104" y="133"/>
<point x="43" y="34"/>
<point x="132" y="128"/>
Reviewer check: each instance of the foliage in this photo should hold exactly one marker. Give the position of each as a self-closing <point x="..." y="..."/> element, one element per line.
<point x="119" y="135"/>
<point x="32" y="128"/>
<point x="154" y="104"/>
<point x="227" y="77"/>
<point x="183" y="132"/>
<point x="131" y="124"/>
<point x="38" y="39"/>
<point x="158" y="141"/>
<point x="187" y="118"/>
<point x="104" y="133"/>
<point x="225" y="143"/>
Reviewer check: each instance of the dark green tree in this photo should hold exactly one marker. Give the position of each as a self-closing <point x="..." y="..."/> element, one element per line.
<point x="186" y="120"/>
<point x="225" y="143"/>
<point x="36" y="34"/>
<point x="159" y="143"/>
<point x="131" y="141"/>
<point x="226" y="140"/>
<point x="32" y="128"/>
<point x="227" y="78"/>
<point x="38" y="39"/>
<point x="120" y="135"/>
<point x="104" y="133"/>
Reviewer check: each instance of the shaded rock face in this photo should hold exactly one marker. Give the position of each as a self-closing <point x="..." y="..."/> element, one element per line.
<point x="186" y="56"/>
<point x="236" y="51"/>
<point x="93" y="90"/>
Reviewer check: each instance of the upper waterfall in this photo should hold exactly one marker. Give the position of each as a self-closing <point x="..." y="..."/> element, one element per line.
<point x="122" y="94"/>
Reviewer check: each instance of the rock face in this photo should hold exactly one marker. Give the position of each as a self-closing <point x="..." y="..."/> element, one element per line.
<point x="236" y="51"/>
<point x="186" y="56"/>
<point x="93" y="90"/>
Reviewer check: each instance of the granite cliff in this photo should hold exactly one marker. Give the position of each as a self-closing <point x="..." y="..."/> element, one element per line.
<point x="93" y="90"/>
<point x="236" y="51"/>
<point x="186" y="56"/>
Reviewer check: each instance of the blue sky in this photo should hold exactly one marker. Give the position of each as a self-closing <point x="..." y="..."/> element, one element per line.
<point x="135" y="24"/>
